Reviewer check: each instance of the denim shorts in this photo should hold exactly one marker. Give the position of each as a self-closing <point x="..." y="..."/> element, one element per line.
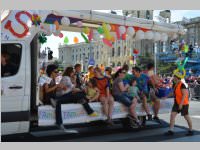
<point x="124" y="99"/>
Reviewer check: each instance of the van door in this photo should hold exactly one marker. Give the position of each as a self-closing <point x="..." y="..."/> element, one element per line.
<point x="15" y="104"/>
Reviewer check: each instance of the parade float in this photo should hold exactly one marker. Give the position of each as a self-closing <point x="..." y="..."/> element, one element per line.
<point x="30" y="28"/>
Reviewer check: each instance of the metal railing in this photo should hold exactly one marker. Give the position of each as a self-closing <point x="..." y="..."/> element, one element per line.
<point x="194" y="89"/>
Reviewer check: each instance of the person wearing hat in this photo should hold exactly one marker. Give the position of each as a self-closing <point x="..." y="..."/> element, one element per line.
<point x="181" y="104"/>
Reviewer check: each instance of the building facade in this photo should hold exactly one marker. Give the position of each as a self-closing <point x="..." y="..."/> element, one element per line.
<point x="166" y="14"/>
<point x="146" y="47"/>
<point x="193" y="31"/>
<point x="146" y="14"/>
<point x="192" y="27"/>
<point x="118" y="55"/>
<point x="81" y="53"/>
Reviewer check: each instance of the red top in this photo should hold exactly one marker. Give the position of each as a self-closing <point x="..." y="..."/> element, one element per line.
<point x="102" y="84"/>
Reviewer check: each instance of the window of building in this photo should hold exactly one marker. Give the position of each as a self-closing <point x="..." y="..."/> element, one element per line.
<point x="80" y="56"/>
<point x="113" y="52"/>
<point x="97" y="56"/>
<point x="118" y="52"/>
<point x="124" y="50"/>
<point x="148" y="14"/>
<point x="72" y="57"/>
<point x="113" y="64"/>
<point x="138" y="14"/>
<point x="76" y="57"/>
<point x="119" y="64"/>
<point x="10" y="59"/>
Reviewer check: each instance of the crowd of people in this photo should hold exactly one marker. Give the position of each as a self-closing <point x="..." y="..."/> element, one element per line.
<point x="128" y="87"/>
<point x="193" y="80"/>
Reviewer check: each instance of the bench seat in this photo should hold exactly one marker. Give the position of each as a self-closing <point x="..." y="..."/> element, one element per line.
<point x="75" y="113"/>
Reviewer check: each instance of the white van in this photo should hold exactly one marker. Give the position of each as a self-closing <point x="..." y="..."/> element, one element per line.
<point x="19" y="87"/>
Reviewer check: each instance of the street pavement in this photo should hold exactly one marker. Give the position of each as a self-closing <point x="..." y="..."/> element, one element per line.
<point x="153" y="132"/>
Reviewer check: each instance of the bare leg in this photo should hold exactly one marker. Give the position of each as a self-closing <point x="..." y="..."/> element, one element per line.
<point x="132" y="108"/>
<point x="144" y="104"/>
<point x="156" y="107"/>
<point x="110" y="105"/>
<point x="189" y="122"/>
<point x="105" y="105"/>
<point x="172" y="120"/>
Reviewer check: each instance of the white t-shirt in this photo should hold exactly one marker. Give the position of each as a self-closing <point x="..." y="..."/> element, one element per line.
<point x="184" y="82"/>
<point x="44" y="79"/>
<point x="68" y="83"/>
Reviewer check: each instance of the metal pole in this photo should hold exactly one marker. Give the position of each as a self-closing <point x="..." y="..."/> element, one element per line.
<point x="155" y="52"/>
<point x="83" y="62"/>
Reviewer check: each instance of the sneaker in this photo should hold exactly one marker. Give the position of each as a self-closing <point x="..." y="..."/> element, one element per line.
<point x="169" y="133"/>
<point x="190" y="133"/>
<point x="62" y="127"/>
<point x="157" y="119"/>
<point x="134" y="121"/>
<point x="149" y="117"/>
<point x="138" y="123"/>
<point x="94" y="114"/>
<point x="53" y="102"/>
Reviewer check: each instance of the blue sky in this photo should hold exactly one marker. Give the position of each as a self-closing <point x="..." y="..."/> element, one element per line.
<point x="53" y="42"/>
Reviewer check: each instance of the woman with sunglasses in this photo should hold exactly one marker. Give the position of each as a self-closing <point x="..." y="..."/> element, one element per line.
<point x="51" y="87"/>
<point x="105" y="97"/>
<point x="70" y="95"/>
<point x="120" y="94"/>
<point x="50" y="90"/>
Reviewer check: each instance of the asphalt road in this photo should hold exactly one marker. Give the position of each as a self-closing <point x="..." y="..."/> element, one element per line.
<point x="153" y="132"/>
